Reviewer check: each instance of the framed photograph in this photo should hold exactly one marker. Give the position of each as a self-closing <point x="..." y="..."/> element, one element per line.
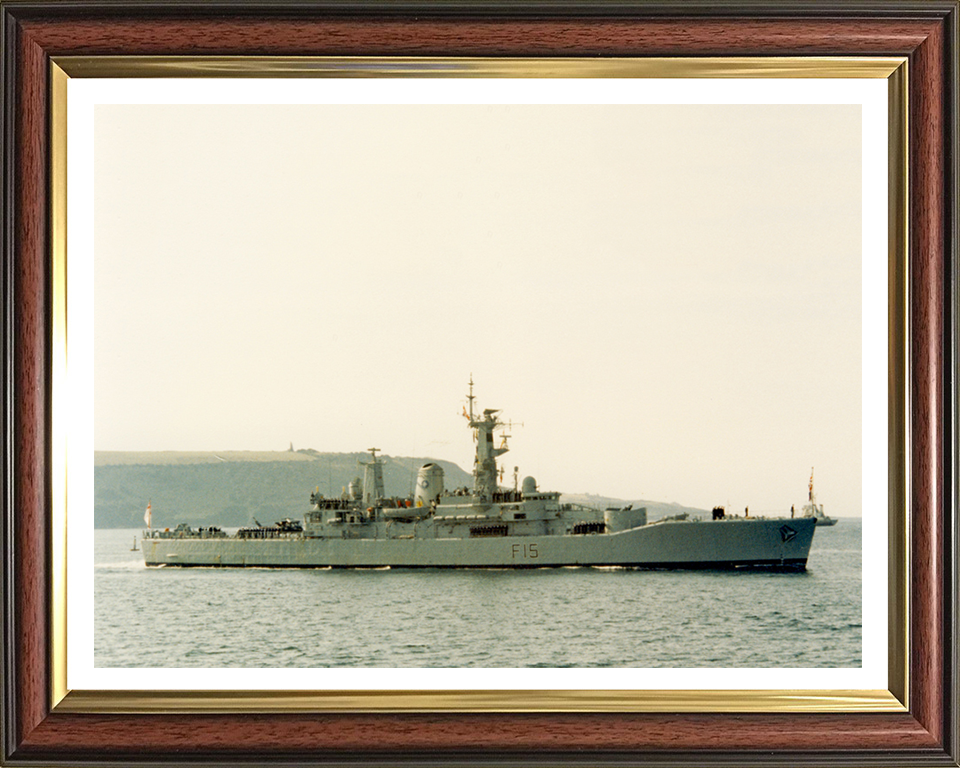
<point x="691" y="247"/>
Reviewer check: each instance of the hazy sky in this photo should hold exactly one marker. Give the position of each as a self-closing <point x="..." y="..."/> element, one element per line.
<point x="668" y="297"/>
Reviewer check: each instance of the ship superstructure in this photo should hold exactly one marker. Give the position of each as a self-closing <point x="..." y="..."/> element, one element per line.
<point x="487" y="526"/>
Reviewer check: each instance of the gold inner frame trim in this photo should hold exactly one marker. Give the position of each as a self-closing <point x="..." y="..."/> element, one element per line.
<point x="898" y="416"/>
<point x="182" y="702"/>
<point x="58" y="409"/>
<point x="893" y="69"/>
<point x="414" y="66"/>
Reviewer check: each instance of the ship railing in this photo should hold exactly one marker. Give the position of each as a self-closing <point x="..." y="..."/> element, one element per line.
<point x="585" y="527"/>
<point x="443" y="509"/>
<point x="488" y="530"/>
<point x="323" y="503"/>
<point x="185" y="532"/>
<point x="571" y="506"/>
<point x="271" y="532"/>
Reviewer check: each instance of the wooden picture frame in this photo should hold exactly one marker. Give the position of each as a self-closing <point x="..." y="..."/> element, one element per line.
<point x="38" y="732"/>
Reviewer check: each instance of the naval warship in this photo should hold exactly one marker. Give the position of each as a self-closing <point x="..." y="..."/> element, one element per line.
<point x="813" y="510"/>
<point x="486" y="526"/>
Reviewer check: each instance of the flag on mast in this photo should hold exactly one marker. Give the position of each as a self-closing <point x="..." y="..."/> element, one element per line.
<point x="148" y="515"/>
<point x="811" y="483"/>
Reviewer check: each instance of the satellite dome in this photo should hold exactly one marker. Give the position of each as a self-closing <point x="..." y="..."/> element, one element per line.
<point x="529" y="485"/>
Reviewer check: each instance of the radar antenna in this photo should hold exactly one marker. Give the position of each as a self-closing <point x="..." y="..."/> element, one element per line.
<point x="471" y="398"/>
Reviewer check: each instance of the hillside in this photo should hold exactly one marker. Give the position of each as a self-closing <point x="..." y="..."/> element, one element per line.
<point x="231" y="488"/>
<point x="655" y="509"/>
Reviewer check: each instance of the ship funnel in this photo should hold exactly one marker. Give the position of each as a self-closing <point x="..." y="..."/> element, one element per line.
<point x="355" y="489"/>
<point x="372" y="478"/>
<point x="429" y="484"/>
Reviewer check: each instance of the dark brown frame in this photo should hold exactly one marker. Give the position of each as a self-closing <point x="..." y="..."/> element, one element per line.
<point x="925" y="32"/>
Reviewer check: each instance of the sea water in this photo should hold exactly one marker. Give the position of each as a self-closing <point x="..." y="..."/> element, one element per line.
<point x="550" y="617"/>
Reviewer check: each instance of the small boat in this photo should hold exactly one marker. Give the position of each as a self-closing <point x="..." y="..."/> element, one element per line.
<point x="814" y="510"/>
<point x="134" y="547"/>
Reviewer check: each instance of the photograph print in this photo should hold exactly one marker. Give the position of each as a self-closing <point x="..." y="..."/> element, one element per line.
<point x="478" y="385"/>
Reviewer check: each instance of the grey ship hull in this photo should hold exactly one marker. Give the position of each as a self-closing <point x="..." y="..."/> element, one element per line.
<point x="730" y="543"/>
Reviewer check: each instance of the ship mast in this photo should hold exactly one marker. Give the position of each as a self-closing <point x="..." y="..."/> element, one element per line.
<point x="812" y="499"/>
<point x="471" y="398"/>
<point x="485" y="463"/>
